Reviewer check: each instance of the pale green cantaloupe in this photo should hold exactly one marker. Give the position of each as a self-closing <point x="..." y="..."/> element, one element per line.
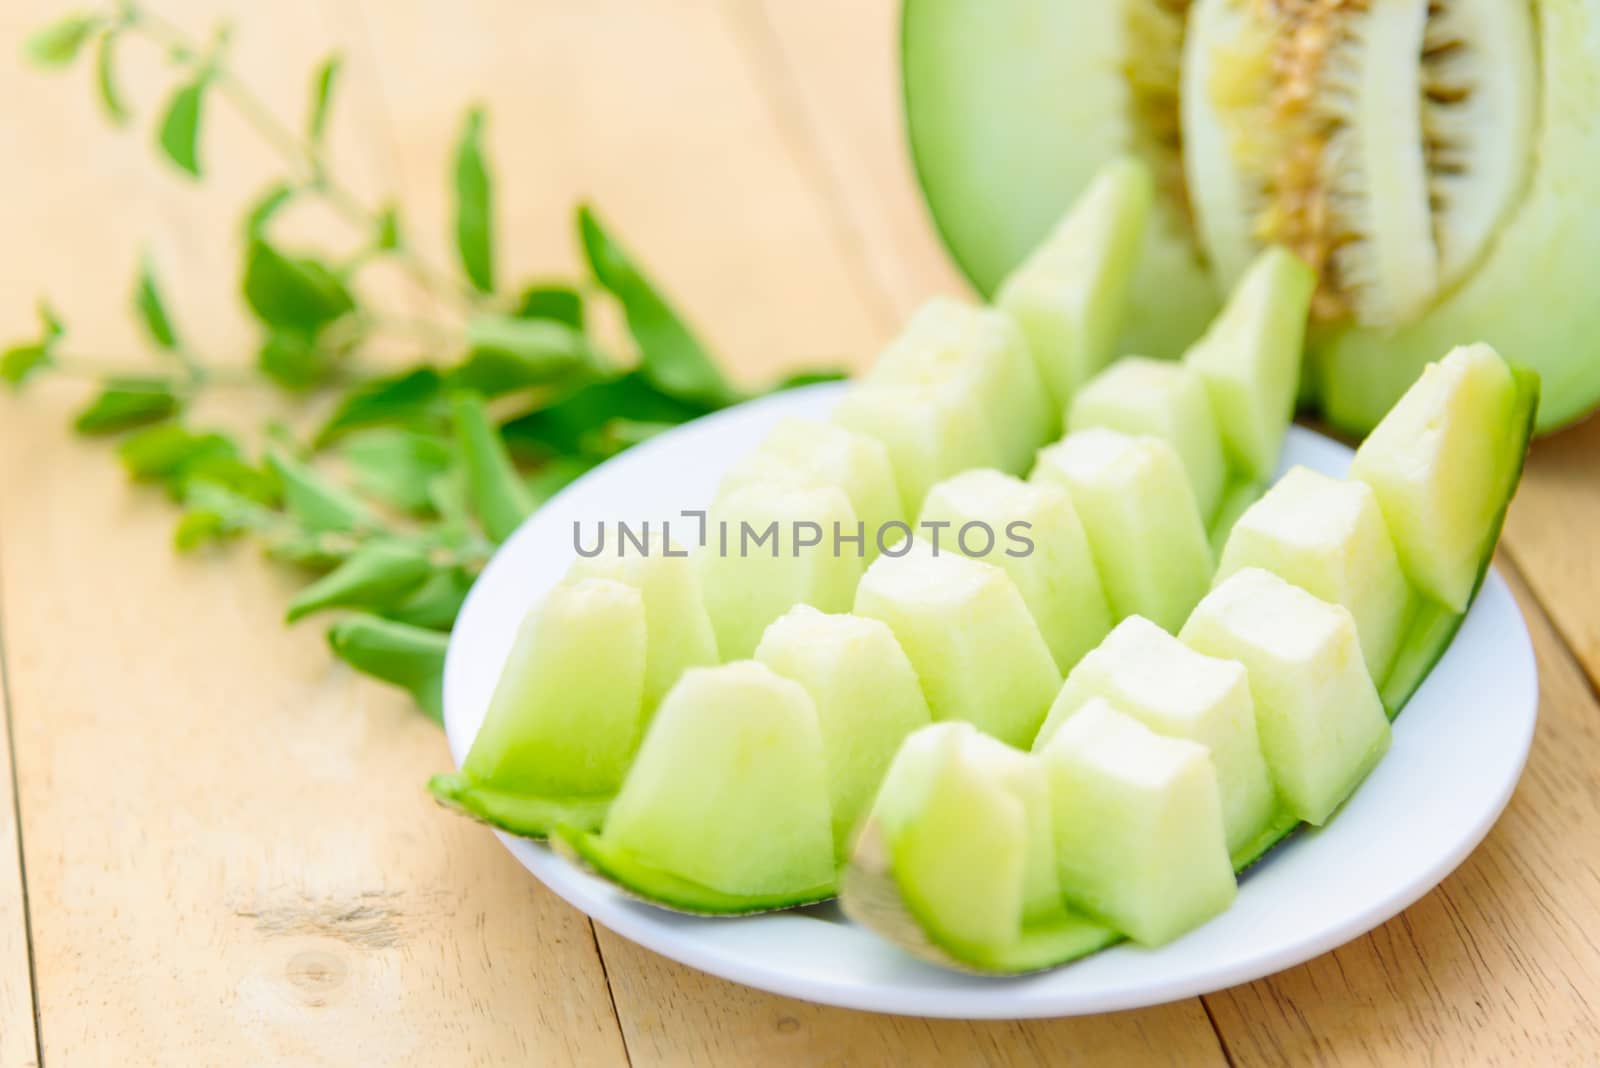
<point x="866" y="695"/>
<point x="977" y="651"/>
<point x="929" y="431"/>
<point x="756" y="565"/>
<point x="1327" y="536"/>
<point x="1137" y="507"/>
<point x="1138" y="826"/>
<point x="725" y="809"/>
<point x="1053" y="568"/>
<point x="1321" y="724"/>
<point x="1153" y="677"/>
<point x="565" y="717"/>
<point x="810" y="453"/>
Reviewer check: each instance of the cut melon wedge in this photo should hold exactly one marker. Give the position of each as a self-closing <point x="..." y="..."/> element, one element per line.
<point x="974" y="513"/>
<point x="930" y="432"/>
<point x="725" y="809"/>
<point x="809" y="453"/>
<point x="1177" y="692"/>
<point x="1138" y="826"/>
<point x="866" y="695"/>
<point x="977" y="651"/>
<point x="1328" y="537"/>
<point x="1139" y="512"/>
<point x="956" y="863"/>
<point x="980" y="353"/>
<point x="565" y="717"/>
<point x="1070" y="294"/>
<point x="769" y="548"/>
<point x="1321" y="724"/>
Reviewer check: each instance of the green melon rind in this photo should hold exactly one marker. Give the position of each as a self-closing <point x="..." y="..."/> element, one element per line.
<point x="652" y="885"/>
<point x="527" y="817"/>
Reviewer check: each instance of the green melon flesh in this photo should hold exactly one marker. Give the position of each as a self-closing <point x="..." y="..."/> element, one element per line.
<point x="977" y="651"/>
<point x="1139" y="395"/>
<point x="1153" y="677"/>
<point x="1070" y="294"/>
<point x="1321" y="723"/>
<point x="1327" y="536"/>
<point x="746" y="585"/>
<point x="1057" y="577"/>
<point x="565" y="717"/>
<point x="981" y="353"/>
<point x="930" y="432"/>
<point x="678" y="630"/>
<point x="725" y="809"/>
<point x="1138" y="825"/>
<point x="1138" y="510"/>
<point x="866" y="695"/>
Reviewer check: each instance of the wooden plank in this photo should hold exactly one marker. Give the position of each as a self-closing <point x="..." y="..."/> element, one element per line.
<point x="18" y="1036"/>
<point x="230" y="857"/>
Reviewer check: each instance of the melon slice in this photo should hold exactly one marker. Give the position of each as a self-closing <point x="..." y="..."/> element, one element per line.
<point x="725" y="809"/>
<point x="1138" y="825"/>
<point x="1070" y="294"/>
<point x="981" y="352"/>
<point x="565" y="717"/>
<point x="769" y="548"/>
<point x="976" y="512"/>
<point x="1139" y="395"/>
<point x="1321" y="723"/>
<point x="1153" y="677"/>
<point x="1328" y="537"/>
<point x="956" y="863"/>
<point x="810" y="453"/>
<point x="866" y="694"/>
<point x="977" y="651"/>
<point x="678" y="630"/>
<point x="1138" y="510"/>
<point x="930" y="432"/>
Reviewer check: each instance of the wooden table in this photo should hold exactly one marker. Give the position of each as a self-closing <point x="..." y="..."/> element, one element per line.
<point x="217" y="848"/>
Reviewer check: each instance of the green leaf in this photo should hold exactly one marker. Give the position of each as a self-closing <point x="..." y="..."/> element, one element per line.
<point x="321" y="97"/>
<point x="497" y="495"/>
<point x="180" y="126"/>
<point x="436" y="603"/>
<point x="670" y="355"/>
<point x="406" y="399"/>
<point x="200" y="526"/>
<point x="809" y="378"/>
<point x="566" y="427"/>
<point x="20" y="362"/>
<point x="387" y="236"/>
<point x="561" y="303"/>
<point x="151" y="308"/>
<point x="179" y="459"/>
<point x="474" y="205"/>
<point x="556" y="475"/>
<point x="277" y="197"/>
<point x="409" y="657"/>
<point x="126" y="403"/>
<point x="313" y="499"/>
<point x="506" y="354"/>
<point x="293" y="360"/>
<point x="296" y="293"/>
<point x="397" y="466"/>
<point x="376" y="576"/>
<point x="105" y="80"/>
<point x="59" y="43"/>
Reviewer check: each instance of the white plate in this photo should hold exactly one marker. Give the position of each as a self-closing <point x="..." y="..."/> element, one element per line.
<point x="1458" y="749"/>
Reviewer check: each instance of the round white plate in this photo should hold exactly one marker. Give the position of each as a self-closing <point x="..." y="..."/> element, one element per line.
<point x="1458" y="750"/>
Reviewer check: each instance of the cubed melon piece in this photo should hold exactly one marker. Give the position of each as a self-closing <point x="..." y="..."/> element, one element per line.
<point x="810" y="452"/>
<point x="1138" y="825"/>
<point x="1138" y="395"/>
<point x="1250" y="359"/>
<point x="981" y="351"/>
<point x="1327" y="536"/>
<point x="866" y="693"/>
<point x="726" y="806"/>
<point x="769" y="548"/>
<point x="1147" y="536"/>
<point x="1175" y="691"/>
<point x="1070" y="295"/>
<point x="977" y="514"/>
<point x="565" y="717"/>
<point x="1440" y="465"/>
<point x="930" y="432"/>
<point x="1321" y="724"/>
<point x="977" y="651"/>
<point x="679" y="633"/>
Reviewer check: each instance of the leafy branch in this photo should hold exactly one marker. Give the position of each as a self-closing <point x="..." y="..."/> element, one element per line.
<point x="392" y="502"/>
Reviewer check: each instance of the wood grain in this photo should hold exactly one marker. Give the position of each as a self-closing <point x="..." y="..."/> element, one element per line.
<point x="18" y="1037"/>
